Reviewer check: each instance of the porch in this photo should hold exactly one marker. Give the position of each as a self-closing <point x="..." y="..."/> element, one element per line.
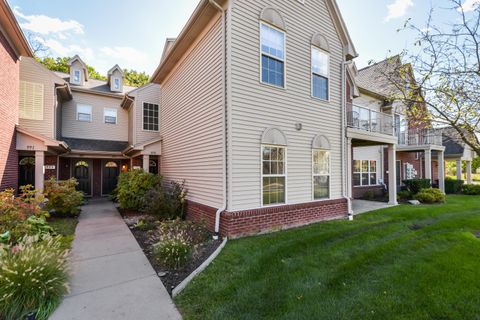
<point x="362" y="206"/>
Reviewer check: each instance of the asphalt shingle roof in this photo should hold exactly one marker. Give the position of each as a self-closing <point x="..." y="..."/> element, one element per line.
<point x="375" y="78"/>
<point x="96" y="145"/>
<point x="95" y="85"/>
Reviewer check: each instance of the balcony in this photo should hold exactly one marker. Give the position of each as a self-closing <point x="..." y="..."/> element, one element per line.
<point x="369" y="126"/>
<point x="420" y="137"/>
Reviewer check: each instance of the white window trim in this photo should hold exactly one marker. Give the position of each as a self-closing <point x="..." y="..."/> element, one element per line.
<point x="369" y="172"/>
<point x="91" y="112"/>
<point x="79" y="76"/>
<point x="320" y="175"/>
<point x="119" y="83"/>
<point x="284" y="56"/>
<point x="311" y="74"/>
<point x="143" y="120"/>
<point x="116" y="115"/>
<point x="285" y="175"/>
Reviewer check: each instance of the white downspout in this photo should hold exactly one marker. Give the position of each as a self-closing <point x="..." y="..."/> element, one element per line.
<point x="224" y="116"/>
<point x="344" y="153"/>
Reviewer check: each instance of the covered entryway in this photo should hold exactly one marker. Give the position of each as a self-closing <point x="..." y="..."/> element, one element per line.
<point x="111" y="170"/>
<point x="82" y="172"/>
<point x="26" y="171"/>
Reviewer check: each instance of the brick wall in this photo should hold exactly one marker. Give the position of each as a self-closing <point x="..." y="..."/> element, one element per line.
<point x="51" y="161"/>
<point x="410" y="157"/>
<point x="263" y="220"/>
<point x="359" y="192"/>
<point x="9" y="87"/>
<point x="64" y="168"/>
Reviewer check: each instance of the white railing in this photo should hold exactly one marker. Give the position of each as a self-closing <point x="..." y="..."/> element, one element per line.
<point x="420" y="137"/>
<point x="369" y="120"/>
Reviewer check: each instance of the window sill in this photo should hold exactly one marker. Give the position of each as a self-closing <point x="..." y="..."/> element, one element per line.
<point x="320" y="99"/>
<point x="268" y="85"/>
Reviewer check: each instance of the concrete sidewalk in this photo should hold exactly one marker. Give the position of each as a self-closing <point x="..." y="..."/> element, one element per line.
<point x="110" y="276"/>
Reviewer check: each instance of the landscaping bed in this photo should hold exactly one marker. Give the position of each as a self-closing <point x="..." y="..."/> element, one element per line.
<point x="148" y="236"/>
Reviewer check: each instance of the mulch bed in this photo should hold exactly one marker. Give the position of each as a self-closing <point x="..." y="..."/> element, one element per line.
<point x="146" y="240"/>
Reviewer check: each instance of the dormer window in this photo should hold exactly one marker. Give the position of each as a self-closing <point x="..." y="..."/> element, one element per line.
<point x="76" y="76"/>
<point x="116" y="84"/>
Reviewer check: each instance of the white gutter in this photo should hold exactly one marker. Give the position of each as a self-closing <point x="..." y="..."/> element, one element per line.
<point x="224" y="116"/>
<point x="345" y="151"/>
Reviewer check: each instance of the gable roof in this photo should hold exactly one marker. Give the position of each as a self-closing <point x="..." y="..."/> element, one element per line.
<point x="202" y="15"/>
<point x="12" y="32"/>
<point x="115" y="67"/>
<point x="84" y="65"/>
<point x="374" y="78"/>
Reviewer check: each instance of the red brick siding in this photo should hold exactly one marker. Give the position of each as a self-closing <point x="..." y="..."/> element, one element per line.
<point x="137" y="162"/>
<point x="9" y="92"/>
<point x="262" y="220"/>
<point x="64" y="168"/>
<point x="410" y="157"/>
<point x="51" y="161"/>
<point x="359" y="192"/>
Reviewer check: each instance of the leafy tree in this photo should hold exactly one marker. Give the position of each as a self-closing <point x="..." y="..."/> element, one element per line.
<point x="134" y="78"/>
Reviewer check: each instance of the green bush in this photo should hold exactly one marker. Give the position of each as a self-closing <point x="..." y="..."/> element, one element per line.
<point x="415" y="185"/>
<point x="15" y="211"/>
<point x="132" y="187"/>
<point x="63" y="198"/>
<point x="194" y="233"/>
<point x="471" y="189"/>
<point x="453" y="186"/>
<point x="174" y="252"/>
<point x="430" y="196"/>
<point x="33" y="278"/>
<point x="404" y="195"/>
<point x="166" y="203"/>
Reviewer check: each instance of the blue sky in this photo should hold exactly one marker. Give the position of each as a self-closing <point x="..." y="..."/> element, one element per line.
<point x="107" y="32"/>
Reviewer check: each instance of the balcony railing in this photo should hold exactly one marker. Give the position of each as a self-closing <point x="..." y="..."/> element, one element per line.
<point x="369" y="120"/>
<point x="420" y="137"/>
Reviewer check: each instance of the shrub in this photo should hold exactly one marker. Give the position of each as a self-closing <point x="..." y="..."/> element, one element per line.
<point x="33" y="277"/>
<point x="194" y="233"/>
<point x="144" y="225"/>
<point x="14" y="212"/>
<point x="404" y="195"/>
<point x="166" y="203"/>
<point x="430" y="196"/>
<point x="453" y="186"/>
<point x="415" y="185"/>
<point x="132" y="187"/>
<point x="63" y="197"/>
<point x="471" y="189"/>
<point x="174" y="252"/>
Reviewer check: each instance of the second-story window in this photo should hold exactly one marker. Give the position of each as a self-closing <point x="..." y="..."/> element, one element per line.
<point x="110" y="115"/>
<point x="273" y="55"/>
<point x="84" y="113"/>
<point x="150" y="117"/>
<point x="76" y="76"/>
<point x="320" y="73"/>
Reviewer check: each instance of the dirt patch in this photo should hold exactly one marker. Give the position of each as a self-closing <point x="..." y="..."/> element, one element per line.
<point x="148" y="238"/>
<point x="477" y="234"/>
<point x="415" y="227"/>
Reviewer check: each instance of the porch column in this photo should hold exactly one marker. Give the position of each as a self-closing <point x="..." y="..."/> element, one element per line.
<point x="39" y="170"/>
<point x="392" y="174"/>
<point x="459" y="170"/>
<point x="349" y="168"/>
<point x="428" y="164"/>
<point x="146" y="163"/>
<point x="469" y="172"/>
<point x="441" y="171"/>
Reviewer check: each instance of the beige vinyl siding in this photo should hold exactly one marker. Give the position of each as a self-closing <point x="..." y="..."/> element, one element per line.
<point x="97" y="129"/>
<point x="131" y="117"/>
<point x="31" y="72"/>
<point x="149" y="94"/>
<point x="191" y="120"/>
<point x="256" y="107"/>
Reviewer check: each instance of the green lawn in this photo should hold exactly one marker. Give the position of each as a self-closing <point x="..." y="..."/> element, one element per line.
<point x="65" y="227"/>
<point x="399" y="263"/>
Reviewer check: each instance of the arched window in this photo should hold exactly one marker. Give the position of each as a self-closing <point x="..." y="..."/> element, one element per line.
<point x="153" y="163"/>
<point x="274" y="167"/>
<point x="29" y="161"/>
<point x="320" y="67"/>
<point x="111" y="164"/>
<point x="272" y="47"/>
<point x="321" y="167"/>
<point x="81" y="164"/>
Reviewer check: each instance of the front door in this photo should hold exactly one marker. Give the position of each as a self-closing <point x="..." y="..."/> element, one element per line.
<point x="81" y="172"/>
<point x="110" y="176"/>
<point x="26" y="174"/>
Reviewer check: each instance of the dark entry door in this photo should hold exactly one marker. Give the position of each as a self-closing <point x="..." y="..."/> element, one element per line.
<point x="153" y="167"/>
<point x="110" y="177"/>
<point x="26" y="174"/>
<point x="82" y="174"/>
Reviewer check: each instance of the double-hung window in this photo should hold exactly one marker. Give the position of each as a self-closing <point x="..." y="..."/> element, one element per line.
<point x="320" y="74"/>
<point x="150" y="117"/>
<point x="321" y="174"/>
<point x="76" y="76"/>
<point x="273" y="175"/>
<point x="273" y="55"/>
<point x="116" y="83"/>
<point x="365" y="173"/>
<point x="110" y="115"/>
<point x="84" y="113"/>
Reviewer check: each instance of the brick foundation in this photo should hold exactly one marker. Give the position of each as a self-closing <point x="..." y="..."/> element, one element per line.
<point x="359" y="192"/>
<point x="263" y="220"/>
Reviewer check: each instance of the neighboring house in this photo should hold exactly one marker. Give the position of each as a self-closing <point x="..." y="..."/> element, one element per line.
<point x="73" y="126"/>
<point x="457" y="150"/>
<point x="13" y="47"/>
<point x="252" y="110"/>
<point x="374" y="121"/>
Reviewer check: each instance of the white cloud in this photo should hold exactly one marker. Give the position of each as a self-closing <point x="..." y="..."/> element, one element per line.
<point x="398" y="9"/>
<point x="127" y="57"/>
<point x="46" y="25"/>
<point x="61" y="50"/>
<point x="469" y="5"/>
